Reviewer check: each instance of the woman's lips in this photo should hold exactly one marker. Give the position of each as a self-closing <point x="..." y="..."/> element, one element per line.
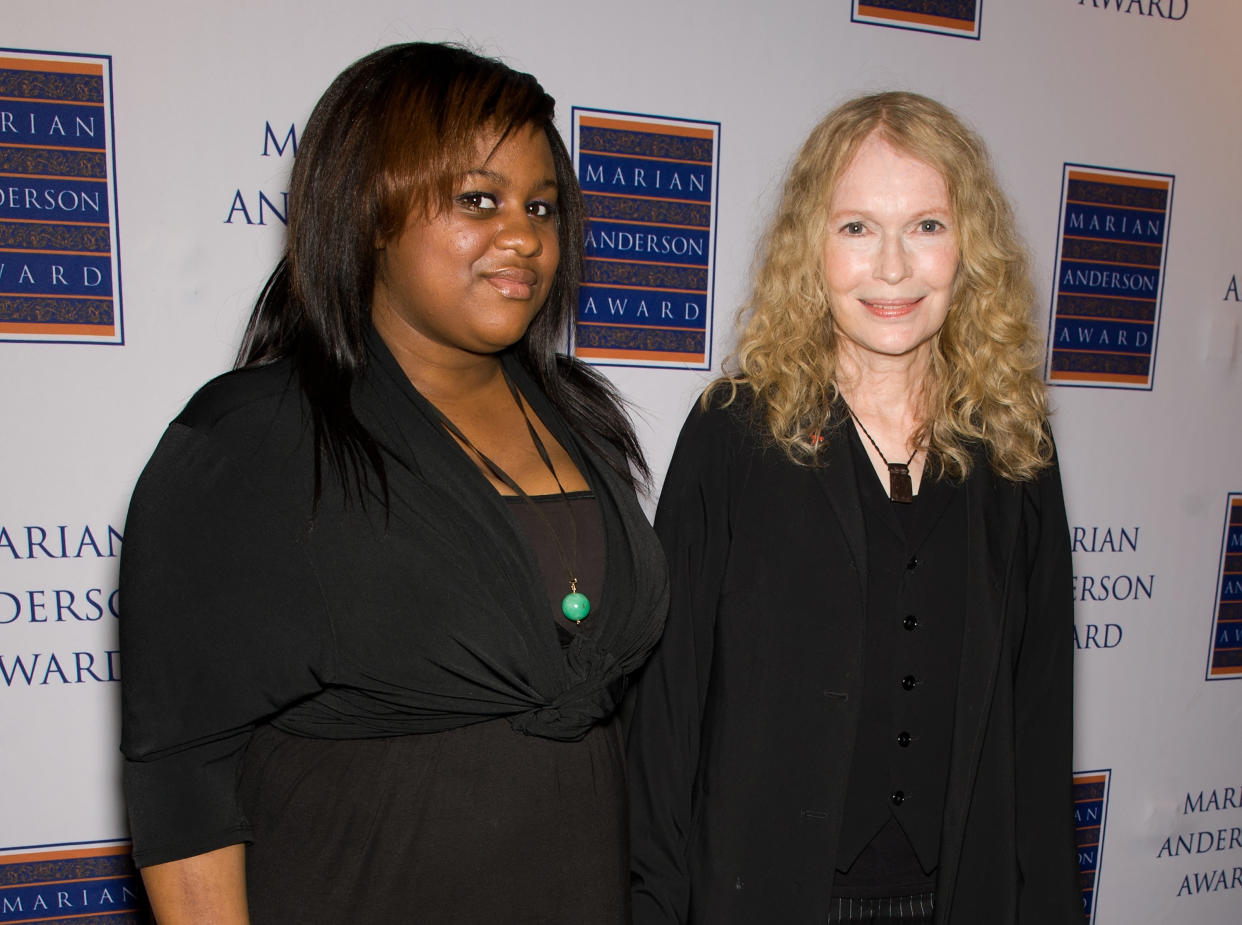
<point x="891" y="308"/>
<point x="513" y="282"/>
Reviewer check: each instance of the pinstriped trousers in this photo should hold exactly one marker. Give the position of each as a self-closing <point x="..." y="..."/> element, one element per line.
<point x="887" y="910"/>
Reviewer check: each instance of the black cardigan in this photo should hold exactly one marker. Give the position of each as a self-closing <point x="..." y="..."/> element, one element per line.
<point x="241" y="607"/>
<point x="746" y="715"/>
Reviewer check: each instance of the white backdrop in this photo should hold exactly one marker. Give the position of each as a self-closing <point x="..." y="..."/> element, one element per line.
<point x="1137" y="87"/>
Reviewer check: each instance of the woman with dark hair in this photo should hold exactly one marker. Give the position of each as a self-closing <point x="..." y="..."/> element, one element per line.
<point x="385" y="581"/>
<point x="861" y="707"/>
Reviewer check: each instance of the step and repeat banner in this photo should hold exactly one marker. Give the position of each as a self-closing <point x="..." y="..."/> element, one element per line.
<point x="144" y="158"/>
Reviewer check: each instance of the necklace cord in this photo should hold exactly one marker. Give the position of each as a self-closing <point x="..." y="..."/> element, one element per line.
<point x="575" y="606"/>
<point x="900" y="486"/>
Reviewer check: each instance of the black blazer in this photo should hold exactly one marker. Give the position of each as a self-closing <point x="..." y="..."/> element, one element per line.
<point x="744" y="720"/>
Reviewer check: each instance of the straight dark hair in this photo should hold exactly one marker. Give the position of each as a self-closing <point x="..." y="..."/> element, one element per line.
<point x="387" y="140"/>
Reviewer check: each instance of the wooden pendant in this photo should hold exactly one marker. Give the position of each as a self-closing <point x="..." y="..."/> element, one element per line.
<point x="900" y="488"/>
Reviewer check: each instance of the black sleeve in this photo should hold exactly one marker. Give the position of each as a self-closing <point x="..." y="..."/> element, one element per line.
<point x="222" y="625"/>
<point x="1044" y="715"/>
<point x="663" y="741"/>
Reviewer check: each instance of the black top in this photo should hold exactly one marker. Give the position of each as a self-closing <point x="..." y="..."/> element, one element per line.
<point x="746" y="717"/>
<point x="356" y="621"/>
<point x="916" y="575"/>
<point x="566" y="535"/>
<point x="476" y="824"/>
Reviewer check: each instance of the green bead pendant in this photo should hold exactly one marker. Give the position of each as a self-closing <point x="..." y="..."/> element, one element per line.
<point x="575" y="606"/>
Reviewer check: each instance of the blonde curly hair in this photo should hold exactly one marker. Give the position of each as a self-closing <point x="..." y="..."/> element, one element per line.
<point x="984" y="386"/>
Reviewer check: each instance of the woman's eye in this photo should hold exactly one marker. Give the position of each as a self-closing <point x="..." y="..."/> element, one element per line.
<point x="930" y="225"/>
<point x="478" y="201"/>
<point x="854" y="228"/>
<point x="542" y="209"/>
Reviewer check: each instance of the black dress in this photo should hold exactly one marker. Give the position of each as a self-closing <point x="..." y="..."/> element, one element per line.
<point x="373" y="693"/>
<point x="477" y="824"/>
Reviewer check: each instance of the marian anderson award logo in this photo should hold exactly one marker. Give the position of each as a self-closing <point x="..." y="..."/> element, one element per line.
<point x="1111" y="252"/>
<point x="947" y="17"/>
<point x="60" y="278"/>
<point x="1090" y="812"/>
<point x="63" y="883"/>
<point x="650" y="186"/>
<point x="1225" y="653"/>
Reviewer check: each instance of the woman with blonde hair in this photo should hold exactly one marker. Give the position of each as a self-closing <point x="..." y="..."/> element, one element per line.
<point x="861" y="708"/>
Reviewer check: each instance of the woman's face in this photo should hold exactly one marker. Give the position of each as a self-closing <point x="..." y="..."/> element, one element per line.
<point x="890" y="255"/>
<point x="470" y="280"/>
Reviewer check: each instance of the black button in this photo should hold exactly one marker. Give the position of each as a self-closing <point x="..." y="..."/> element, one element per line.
<point x="898" y="797"/>
<point x="913" y="563"/>
<point x="910" y="623"/>
<point x="903" y="739"/>
<point x="908" y="682"/>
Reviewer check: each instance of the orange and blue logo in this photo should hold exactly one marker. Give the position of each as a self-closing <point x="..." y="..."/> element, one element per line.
<point x="650" y="185"/>
<point x="55" y="884"/>
<point x="1225" y="654"/>
<point x="1090" y="812"/>
<point x="1111" y="255"/>
<point x="60" y="277"/>
<point x="947" y="17"/>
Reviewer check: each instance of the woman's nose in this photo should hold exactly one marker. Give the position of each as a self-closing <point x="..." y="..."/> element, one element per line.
<point x="517" y="233"/>
<point x="892" y="263"/>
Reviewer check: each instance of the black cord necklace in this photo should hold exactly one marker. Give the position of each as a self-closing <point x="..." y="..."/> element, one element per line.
<point x="900" y="488"/>
<point x="575" y="605"/>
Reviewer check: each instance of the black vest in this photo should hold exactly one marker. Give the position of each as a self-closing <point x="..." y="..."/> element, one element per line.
<point x="916" y="570"/>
